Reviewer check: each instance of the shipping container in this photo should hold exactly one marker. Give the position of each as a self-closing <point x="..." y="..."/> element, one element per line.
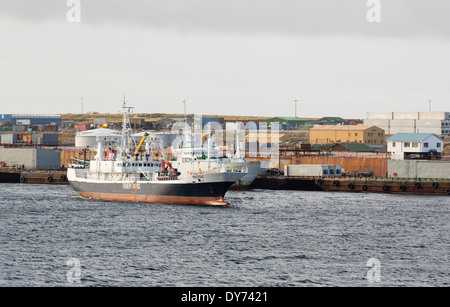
<point x="379" y="115"/>
<point x="10" y="138"/>
<point x="437" y="130"/>
<point x="53" y="128"/>
<point x="434" y="115"/>
<point x="405" y="115"/>
<point x="395" y="130"/>
<point x="81" y="127"/>
<point x="409" y="123"/>
<point x="305" y="146"/>
<point x="49" y="139"/>
<point x="307" y="170"/>
<point x="377" y="122"/>
<point x="432" y="123"/>
<point x="45" y="139"/>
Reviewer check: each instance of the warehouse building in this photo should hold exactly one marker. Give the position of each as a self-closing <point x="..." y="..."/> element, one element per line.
<point x="31" y="120"/>
<point x="410" y="122"/>
<point x="326" y="134"/>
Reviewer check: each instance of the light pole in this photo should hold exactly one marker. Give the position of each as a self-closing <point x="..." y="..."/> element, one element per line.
<point x="295" y="107"/>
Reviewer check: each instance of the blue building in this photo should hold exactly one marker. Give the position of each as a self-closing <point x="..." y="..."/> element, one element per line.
<point x="33" y="120"/>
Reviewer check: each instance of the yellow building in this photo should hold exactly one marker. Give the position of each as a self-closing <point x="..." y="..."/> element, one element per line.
<point x="325" y="134"/>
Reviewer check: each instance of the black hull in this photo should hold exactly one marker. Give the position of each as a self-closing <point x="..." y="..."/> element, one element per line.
<point x="181" y="193"/>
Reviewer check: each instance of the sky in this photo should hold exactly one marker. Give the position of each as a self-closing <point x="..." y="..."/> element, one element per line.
<point x="225" y="57"/>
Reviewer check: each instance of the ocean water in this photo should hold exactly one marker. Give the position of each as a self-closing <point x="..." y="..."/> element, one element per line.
<point x="49" y="236"/>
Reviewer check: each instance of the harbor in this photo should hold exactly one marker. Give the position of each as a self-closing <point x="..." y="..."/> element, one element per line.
<point x="311" y="156"/>
<point x="354" y="185"/>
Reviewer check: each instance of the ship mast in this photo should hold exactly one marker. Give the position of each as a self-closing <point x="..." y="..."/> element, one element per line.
<point x="126" y="110"/>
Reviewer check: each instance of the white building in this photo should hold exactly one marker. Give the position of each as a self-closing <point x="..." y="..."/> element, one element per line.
<point x="410" y="122"/>
<point x="404" y="144"/>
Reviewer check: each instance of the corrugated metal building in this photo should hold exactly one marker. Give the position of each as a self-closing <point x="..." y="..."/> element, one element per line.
<point x="29" y="119"/>
<point x="32" y="158"/>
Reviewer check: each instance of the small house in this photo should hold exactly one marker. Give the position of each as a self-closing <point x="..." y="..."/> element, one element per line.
<point x="403" y="146"/>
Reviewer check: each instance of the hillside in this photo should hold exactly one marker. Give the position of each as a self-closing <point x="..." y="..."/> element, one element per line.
<point x="149" y="117"/>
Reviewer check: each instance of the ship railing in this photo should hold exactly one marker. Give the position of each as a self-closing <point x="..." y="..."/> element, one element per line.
<point x="167" y="178"/>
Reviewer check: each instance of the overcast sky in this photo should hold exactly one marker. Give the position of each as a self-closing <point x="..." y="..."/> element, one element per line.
<point x="229" y="57"/>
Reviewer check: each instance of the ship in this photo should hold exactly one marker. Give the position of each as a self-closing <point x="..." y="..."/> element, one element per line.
<point x="189" y="160"/>
<point x="130" y="172"/>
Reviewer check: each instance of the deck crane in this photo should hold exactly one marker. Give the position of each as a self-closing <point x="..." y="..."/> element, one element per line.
<point x="138" y="148"/>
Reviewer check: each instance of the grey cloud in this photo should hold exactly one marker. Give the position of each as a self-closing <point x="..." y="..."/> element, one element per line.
<point x="400" y="18"/>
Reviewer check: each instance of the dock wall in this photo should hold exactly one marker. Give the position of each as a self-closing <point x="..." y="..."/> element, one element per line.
<point x="377" y="165"/>
<point x="419" y="169"/>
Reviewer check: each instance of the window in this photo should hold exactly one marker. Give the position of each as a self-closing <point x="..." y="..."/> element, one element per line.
<point x="393" y="144"/>
<point x="407" y="144"/>
<point x="438" y="145"/>
<point x="415" y="144"/>
<point x="356" y="134"/>
<point x="425" y="145"/>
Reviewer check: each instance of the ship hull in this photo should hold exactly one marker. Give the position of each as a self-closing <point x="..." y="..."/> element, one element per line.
<point x="254" y="170"/>
<point x="193" y="192"/>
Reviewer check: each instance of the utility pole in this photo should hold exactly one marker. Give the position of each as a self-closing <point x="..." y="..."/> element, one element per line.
<point x="295" y="107"/>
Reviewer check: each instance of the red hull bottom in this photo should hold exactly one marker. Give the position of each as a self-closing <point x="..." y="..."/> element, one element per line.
<point x="184" y="200"/>
<point x="239" y="187"/>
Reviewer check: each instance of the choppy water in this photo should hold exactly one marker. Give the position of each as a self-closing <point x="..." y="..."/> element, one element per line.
<point x="265" y="238"/>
